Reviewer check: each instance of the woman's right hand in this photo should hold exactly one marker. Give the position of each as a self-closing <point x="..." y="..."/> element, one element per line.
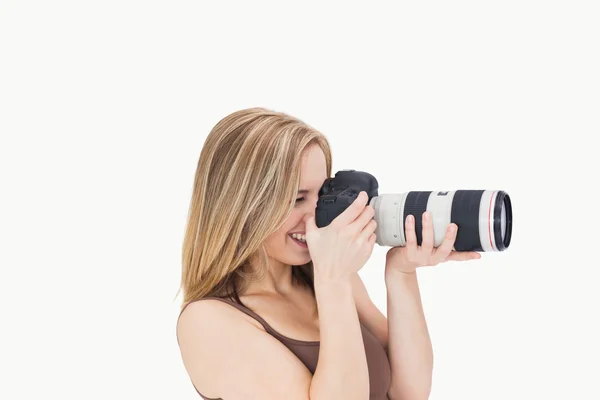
<point x="344" y="246"/>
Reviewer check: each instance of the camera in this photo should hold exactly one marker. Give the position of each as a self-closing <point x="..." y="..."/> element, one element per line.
<point x="483" y="217"/>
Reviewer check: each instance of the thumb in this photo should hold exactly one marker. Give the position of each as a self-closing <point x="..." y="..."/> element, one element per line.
<point x="309" y="222"/>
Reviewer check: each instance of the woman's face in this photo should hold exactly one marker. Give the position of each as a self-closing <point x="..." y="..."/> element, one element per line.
<point x="280" y="245"/>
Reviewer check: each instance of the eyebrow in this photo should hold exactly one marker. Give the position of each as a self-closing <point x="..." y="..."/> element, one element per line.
<point x="303" y="191"/>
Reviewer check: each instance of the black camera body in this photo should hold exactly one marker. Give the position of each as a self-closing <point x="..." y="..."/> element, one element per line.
<point x="339" y="192"/>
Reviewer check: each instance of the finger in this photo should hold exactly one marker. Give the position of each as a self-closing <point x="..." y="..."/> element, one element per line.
<point x="372" y="239"/>
<point x="411" y="237"/>
<point x="371" y="243"/>
<point x="447" y="244"/>
<point x="309" y="223"/>
<point x="353" y="210"/>
<point x="369" y="230"/>
<point x="463" y="256"/>
<point x="363" y="219"/>
<point x="427" y="241"/>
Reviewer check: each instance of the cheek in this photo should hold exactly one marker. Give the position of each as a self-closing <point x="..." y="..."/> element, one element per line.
<point x="279" y="246"/>
<point x="280" y="237"/>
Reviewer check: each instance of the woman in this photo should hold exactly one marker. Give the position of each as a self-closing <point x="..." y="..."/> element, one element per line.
<point x="266" y="316"/>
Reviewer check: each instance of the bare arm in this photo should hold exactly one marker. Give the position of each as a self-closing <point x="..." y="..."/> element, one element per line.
<point x="342" y="371"/>
<point x="409" y="346"/>
<point x="406" y="319"/>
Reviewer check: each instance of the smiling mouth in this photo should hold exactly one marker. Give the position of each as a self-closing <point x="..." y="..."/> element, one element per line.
<point x="298" y="241"/>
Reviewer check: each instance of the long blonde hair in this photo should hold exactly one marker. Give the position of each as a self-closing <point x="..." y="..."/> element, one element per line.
<point x="245" y="185"/>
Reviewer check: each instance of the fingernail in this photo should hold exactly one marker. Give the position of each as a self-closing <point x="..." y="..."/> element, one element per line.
<point x="426" y="216"/>
<point x="452" y="228"/>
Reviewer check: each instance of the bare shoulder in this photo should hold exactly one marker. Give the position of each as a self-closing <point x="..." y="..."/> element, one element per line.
<point x="226" y="355"/>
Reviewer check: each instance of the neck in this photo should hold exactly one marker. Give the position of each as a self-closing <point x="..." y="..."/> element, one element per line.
<point x="278" y="280"/>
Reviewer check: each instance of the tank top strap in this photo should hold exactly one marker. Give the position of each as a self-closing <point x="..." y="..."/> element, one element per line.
<point x="240" y="307"/>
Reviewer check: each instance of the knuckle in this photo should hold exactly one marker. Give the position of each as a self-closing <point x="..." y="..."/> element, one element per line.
<point x="442" y="251"/>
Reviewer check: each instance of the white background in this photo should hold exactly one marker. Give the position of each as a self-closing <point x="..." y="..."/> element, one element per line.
<point x="104" y="107"/>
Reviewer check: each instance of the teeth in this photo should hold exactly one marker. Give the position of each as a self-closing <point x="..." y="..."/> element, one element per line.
<point x="297" y="236"/>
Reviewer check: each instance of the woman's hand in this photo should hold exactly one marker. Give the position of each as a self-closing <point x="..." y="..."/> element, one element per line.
<point x="407" y="259"/>
<point x="344" y="246"/>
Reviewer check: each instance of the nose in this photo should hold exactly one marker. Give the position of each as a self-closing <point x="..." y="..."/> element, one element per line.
<point x="312" y="210"/>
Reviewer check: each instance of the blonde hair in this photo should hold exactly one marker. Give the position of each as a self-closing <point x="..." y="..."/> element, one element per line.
<point x="245" y="185"/>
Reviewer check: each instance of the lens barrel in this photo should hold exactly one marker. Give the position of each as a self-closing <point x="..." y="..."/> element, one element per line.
<point x="484" y="217"/>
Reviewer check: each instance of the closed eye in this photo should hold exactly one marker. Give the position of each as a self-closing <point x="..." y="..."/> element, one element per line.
<point x="300" y="199"/>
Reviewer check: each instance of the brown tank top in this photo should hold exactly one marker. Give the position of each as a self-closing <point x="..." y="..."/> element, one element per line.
<point x="308" y="353"/>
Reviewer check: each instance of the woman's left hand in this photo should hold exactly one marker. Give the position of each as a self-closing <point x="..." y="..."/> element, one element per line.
<point x="408" y="258"/>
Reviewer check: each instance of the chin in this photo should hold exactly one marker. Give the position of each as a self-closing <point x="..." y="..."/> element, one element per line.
<point x="299" y="260"/>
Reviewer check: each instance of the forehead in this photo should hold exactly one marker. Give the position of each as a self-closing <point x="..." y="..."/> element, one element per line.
<point x="313" y="171"/>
